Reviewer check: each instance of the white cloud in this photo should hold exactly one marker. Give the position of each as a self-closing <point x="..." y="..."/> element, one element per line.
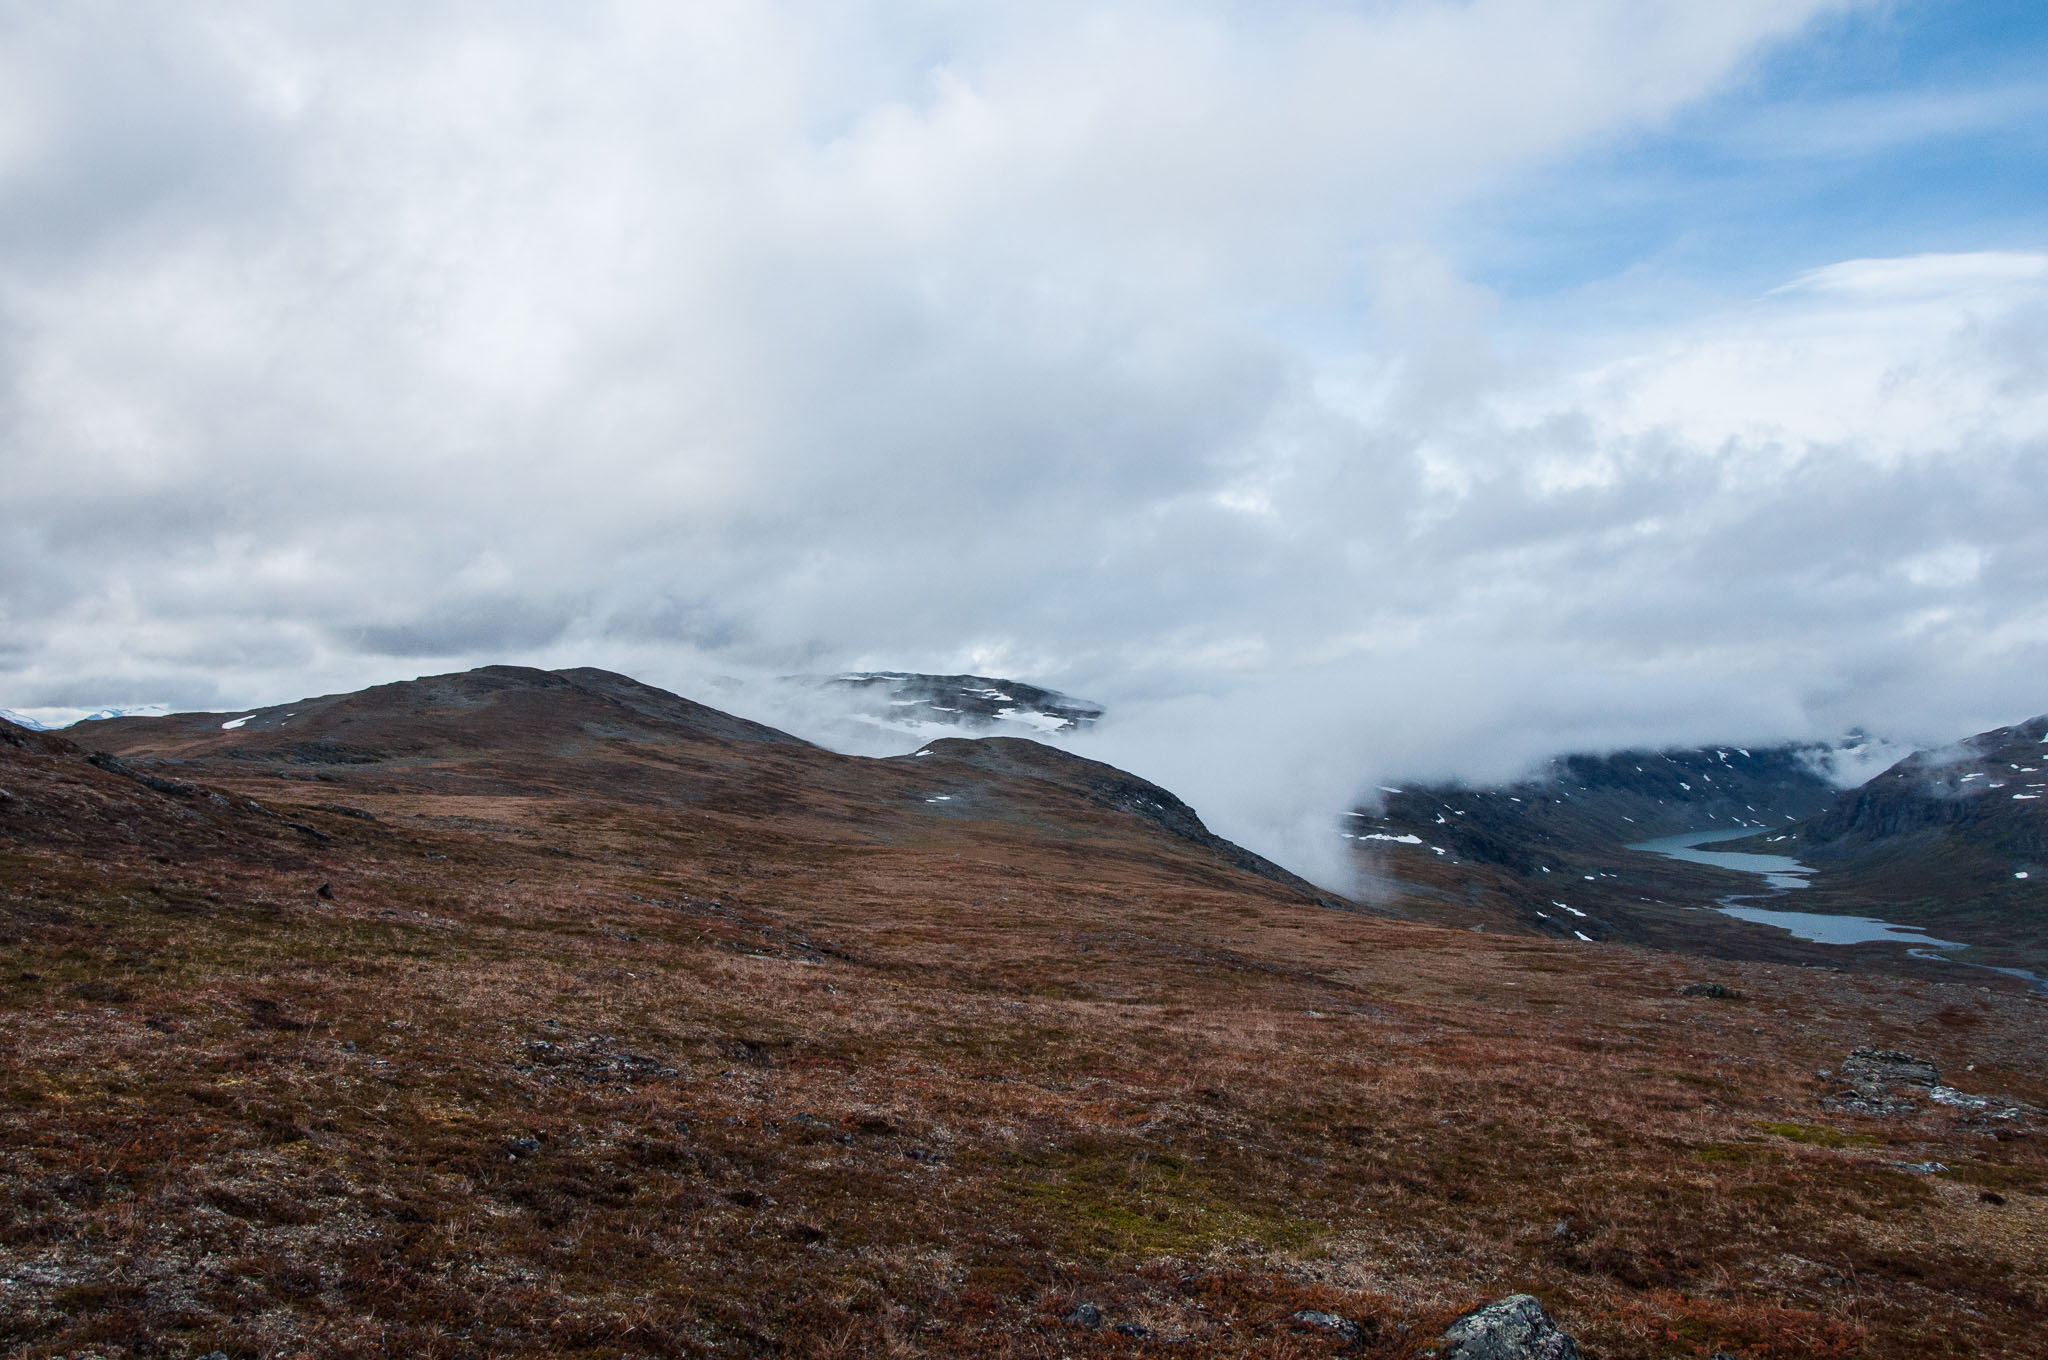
<point x="1115" y="344"/>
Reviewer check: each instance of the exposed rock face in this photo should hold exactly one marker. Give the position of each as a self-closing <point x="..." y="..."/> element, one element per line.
<point x="1513" y="1328"/>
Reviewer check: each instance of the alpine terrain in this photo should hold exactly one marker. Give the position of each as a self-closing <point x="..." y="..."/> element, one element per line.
<point x="541" y="1013"/>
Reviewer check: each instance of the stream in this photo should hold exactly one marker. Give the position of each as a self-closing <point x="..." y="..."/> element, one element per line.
<point x="1783" y="874"/>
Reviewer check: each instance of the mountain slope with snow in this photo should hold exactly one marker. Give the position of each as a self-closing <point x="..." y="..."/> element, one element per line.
<point x="917" y="704"/>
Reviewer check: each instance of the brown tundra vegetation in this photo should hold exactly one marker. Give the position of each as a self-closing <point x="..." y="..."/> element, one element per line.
<point x="545" y="1014"/>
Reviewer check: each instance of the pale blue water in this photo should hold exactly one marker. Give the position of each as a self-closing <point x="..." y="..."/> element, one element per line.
<point x="1825" y="929"/>
<point x="1782" y="873"/>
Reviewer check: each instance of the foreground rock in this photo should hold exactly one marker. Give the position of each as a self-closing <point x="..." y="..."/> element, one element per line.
<point x="1513" y="1328"/>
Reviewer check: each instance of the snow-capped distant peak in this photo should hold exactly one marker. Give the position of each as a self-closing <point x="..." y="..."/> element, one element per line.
<point x="138" y="711"/>
<point x="52" y="719"/>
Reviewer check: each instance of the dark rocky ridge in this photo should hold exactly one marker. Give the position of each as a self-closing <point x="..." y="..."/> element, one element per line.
<point x="1985" y="789"/>
<point x="972" y="700"/>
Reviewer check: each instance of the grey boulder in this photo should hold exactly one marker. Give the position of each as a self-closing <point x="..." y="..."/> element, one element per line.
<point x="1513" y="1328"/>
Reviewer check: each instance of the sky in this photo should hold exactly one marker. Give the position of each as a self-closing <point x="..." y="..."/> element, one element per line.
<point x="1338" y="391"/>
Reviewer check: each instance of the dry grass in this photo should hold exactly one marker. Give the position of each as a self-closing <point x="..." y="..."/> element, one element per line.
<point x="581" y="1073"/>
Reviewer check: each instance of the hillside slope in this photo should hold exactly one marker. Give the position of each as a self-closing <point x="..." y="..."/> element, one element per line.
<point x="525" y="1016"/>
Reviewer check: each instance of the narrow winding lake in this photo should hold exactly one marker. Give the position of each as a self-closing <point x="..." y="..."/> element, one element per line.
<point x="1780" y="871"/>
<point x="1784" y="874"/>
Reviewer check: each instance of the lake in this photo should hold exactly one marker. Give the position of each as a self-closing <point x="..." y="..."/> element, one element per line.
<point x="1780" y="871"/>
<point x="1784" y="874"/>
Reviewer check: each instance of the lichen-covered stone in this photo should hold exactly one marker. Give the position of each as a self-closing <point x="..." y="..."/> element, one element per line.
<point x="1513" y="1328"/>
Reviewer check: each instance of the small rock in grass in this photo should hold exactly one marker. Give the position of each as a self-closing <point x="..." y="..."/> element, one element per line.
<point x="1330" y="1322"/>
<point x="523" y="1147"/>
<point x="1513" y="1328"/>
<point x="1715" y="990"/>
<point x="1084" y="1315"/>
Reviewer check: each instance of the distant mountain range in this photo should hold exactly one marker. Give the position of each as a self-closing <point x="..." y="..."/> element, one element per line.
<point x="98" y="715"/>
<point x="1953" y="840"/>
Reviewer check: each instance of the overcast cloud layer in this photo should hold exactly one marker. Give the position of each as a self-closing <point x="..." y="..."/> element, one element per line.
<point x="1122" y="347"/>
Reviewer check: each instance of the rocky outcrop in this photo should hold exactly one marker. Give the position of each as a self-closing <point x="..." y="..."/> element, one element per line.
<point x="1884" y="1081"/>
<point x="1881" y="1071"/>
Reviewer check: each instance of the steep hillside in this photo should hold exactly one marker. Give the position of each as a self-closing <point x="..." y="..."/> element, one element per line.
<point x="1987" y="790"/>
<point x="1108" y="787"/>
